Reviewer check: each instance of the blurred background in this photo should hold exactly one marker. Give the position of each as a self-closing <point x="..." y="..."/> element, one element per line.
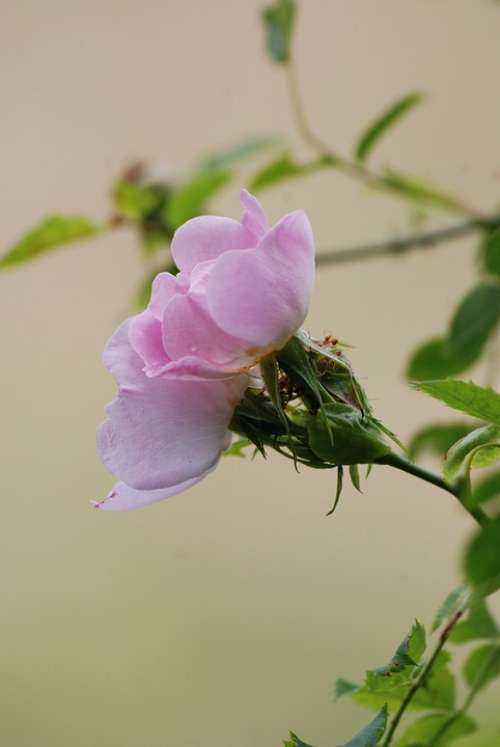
<point x="222" y="616"/>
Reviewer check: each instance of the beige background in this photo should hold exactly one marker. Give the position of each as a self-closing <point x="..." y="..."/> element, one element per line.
<point x="223" y="616"/>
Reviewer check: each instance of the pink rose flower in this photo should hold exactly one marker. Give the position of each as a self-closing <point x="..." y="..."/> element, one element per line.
<point x="242" y="291"/>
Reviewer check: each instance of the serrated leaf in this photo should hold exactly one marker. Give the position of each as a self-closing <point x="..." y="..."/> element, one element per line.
<point x="455" y="601"/>
<point x="371" y="735"/>
<point x="51" y="233"/>
<point x="426" y="728"/>
<point x="487" y="489"/>
<point x="384" y="122"/>
<point x="482" y="558"/>
<point x="278" y="21"/>
<point x="236" y="448"/>
<point x="478" y="624"/>
<point x="437" y="438"/>
<point x="284" y="168"/>
<point x="475" y="320"/>
<point x="479" y="448"/>
<point x="434" y="359"/>
<point x="191" y="199"/>
<point x="421" y="192"/>
<point x="221" y="159"/>
<point x="482" y="666"/>
<point x="490" y="251"/>
<point x="467" y="397"/>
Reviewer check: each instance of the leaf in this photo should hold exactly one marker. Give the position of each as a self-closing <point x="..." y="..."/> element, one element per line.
<point x="487" y="489"/>
<point x="437" y="438"/>
<point x="51" y="233"/>
<point x="475" y="320"/>
<point x="482" y="666"/>
<point x="344" y="687"/>
<point x="236" y="448"/>
<point x="479" y="448"/>
<point x="371" y="735"/>
<point x="354" y="475"/>
<point x="482" y="558"/>
<point x="434" y="359"/>
<point x="467" y="397"/>
<point x="490" y="251"/>
<point x="220" y="160"/>
<point x="134" y="201"/>
<point x="455" y="601"/>
<point x="478" y="624"/>
<point x="294" y="741"/>
<point x="421" y="192"/>
<point x="282" y="169"/>
<point x="338" y="492"/>
<point x="191" y="199"/>
<point x="278" y="21"/>
<point x="382" y="123"/>
<point x="426" y="728"/>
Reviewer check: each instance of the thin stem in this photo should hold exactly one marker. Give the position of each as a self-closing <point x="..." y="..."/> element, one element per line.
<point x="400" y="246"/>
<point x="491" y="661"/>
<point x="420" y="681"/>
<point x="399" y="462"/>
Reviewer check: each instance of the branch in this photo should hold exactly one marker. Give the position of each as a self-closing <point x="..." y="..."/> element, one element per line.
<point x="406" y="244"/>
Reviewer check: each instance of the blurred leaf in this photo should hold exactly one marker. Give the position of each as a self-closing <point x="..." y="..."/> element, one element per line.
<point x="467" y="397"/>
<point x="381" y="124"/>
<point x="51" y="233"/>
<point x="477" y="449"/>
<point x="236" y="448"/>
<point x="487" y="489"/>
<point x="482" y="558"/>
<point x="421" y="192"/>
<point x="246" y="148"/>
<point x="344" y="687"/>
<point x="133" y="200"/>
<point x="284" y="168"/>
<point x="475" y="320"/>
<point x="437" y="438"/>
<point x="455" y="601"/>
<point x="426" y="728"/>
<point x="482" y="666"/>
<point x="478" y="624"/>
<point x="434" y="360"/>
<point x="490" y="251"/>
<point x="278" y="21"/>
<point x="294" y="741"/>
<point x="191" y="199"/>
<point x="371" y="735"/>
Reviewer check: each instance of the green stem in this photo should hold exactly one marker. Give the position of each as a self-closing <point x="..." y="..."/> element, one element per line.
<point x="399" y="462"/>
<point x="420" y="681"/>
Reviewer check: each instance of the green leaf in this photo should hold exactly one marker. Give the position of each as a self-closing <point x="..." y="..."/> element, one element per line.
<point x="236" y="449"/>
<point x="479" y="448"/>
<point x="435" y="359"/>
<point x="487" y="489"/>
<point x="251" y="146"/>
<point x="482" y="558"/>
<point x="371" y="735"/>
<point x="426" y="728"/>
<point x="482" y="666"/>
<point x="191" y="199"/>
<point x="467" y="397"/>
<point x="294" y="741"/>
<point x="479" y="624"/>
<point x="338" y="492"/>
<point x="278" y="21"/>
<point x="51" y="233"/>
<point x="437" y="438"/>
<point x="344" y="687"/>
<point x="381" y="124"/>
<point x="490" y="251"/>
<point x="421" y="192"/>
<point x="282" y="169"/>
<point x="455" y="601"/>
<point x="475" y="320"/>
<point x="354" y="475"/>
<point x="133" y="200"/>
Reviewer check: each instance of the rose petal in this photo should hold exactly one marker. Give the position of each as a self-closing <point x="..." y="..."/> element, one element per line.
<point x="206" y="237"/>
<point x="145" y="334"/>
<point x="262" y="295"/>
<point x="163" y="289"/>
<point x="253" y="218"/>
<point x="124" y="498"/>
<point x="168" y="430"/>
<point x="120" y="358"/>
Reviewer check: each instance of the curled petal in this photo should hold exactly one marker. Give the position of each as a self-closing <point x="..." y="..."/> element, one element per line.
<point x="164" y="288"/>
<point x="253" y="218"/>
<point x="120" y="358"/>
<point x="206" y="237"/>
<point x="262" y="295"/>
<point x="145" y="334"/>
<point x="168" y="430"/>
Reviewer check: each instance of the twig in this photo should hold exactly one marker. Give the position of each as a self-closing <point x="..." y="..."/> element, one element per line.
<point x="408" y="243"/>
